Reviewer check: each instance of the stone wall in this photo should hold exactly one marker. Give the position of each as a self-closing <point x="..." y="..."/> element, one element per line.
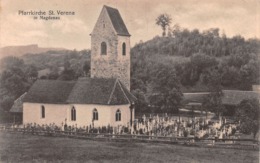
<point x="114" y="64"/>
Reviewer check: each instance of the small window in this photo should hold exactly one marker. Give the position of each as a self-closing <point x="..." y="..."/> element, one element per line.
<point x="95" y="115"/>
<point x="103" y="48"/>
<point x="118" y="115"/>
<point x="73" y="114"/>
<point x="43" y="111"/>
<point x="123" y="49"/>
<point x="104" y="25"/>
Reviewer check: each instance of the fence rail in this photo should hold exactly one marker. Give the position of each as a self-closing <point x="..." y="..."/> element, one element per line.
<point x="226" y="143"/>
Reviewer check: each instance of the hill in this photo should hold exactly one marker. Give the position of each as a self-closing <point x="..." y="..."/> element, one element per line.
<point x="195" y="55"/>
<point x="18" y="51"/>
<point x="185" y="61"/>
<point x="192" y="61"/>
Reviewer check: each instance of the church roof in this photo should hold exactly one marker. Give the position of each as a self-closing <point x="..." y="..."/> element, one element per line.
<point x="230" y="97"/>
<point x="18" y="104"/>
<point x="49" y="91"/>
<point x="117" y="21"/>
<point x="234" y="97"/>
<point x="83" y="91"/>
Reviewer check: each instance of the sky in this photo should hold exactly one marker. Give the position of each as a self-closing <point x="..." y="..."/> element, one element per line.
<point x="232" y="17"/>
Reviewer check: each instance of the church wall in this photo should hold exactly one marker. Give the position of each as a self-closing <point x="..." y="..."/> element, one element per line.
<point x="54" y="113"/>
<point x="57" y="113"/>
<point x="125" y="115"/>
<point x="106" y="115"/>
<point x="85" y="115"/>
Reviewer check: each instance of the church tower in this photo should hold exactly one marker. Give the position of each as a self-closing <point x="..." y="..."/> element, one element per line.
<point x="110" y="47"/>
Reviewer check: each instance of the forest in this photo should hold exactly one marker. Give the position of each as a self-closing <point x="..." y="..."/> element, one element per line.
<point x="163" y="67"/>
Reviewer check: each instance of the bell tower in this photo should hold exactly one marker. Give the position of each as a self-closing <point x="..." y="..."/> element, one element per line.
<point x="110" y="47"/>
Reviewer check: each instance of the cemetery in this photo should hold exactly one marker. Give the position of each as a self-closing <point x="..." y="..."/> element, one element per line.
<point x="196" y="130"/>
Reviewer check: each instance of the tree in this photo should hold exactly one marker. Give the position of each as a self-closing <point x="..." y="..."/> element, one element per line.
<point x="248" y="114"/>
<point x="164" y="20"/>
<point x="10" y="62"/>
<point x="176" y="30"/>
<point x="67" y="74"/>
<point x="31" y="71"/>
<point x="230" y="76"/>
<point x="165" y="88"/>
<point x="140" y="104"/>
<point x="14" y="81"/>
<point x="6" y="103"/>
<point x="249" y="74"/>
<point x="214" y="101"/>
<point x="203" y="61"/>
<point x="86" y="69"/>
<point x="54" y="73"/>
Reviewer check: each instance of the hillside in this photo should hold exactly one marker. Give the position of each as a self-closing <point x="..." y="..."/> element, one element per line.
<point x="186" y="61"/>
<point x="18" y="51"/>
<point x="194" y="55"/>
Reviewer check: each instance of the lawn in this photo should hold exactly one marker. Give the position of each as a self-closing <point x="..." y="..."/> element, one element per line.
<point x="29" y="148"/>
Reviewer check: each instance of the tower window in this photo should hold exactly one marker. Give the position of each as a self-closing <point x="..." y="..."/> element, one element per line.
<point x="43" y="111"/>
<point x="73" y="114"/>
<point x="123" y="49"/>
<point x="95" y="114"/>
<point x="104" y="25"/>
<point x="103" y="48"/>
<point x="118" y="115"/>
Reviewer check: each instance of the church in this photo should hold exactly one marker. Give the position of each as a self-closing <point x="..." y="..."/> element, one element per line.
<point x="104" y="98"/>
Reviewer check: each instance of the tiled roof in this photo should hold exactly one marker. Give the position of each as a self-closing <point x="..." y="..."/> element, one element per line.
<point x="230" y="97"/>
<point x="234" y="97"/>
<point x="83" y="91"/>
<point x="18" y="104"/>
<point x="117" y="21"/>
<point x="92" y="91"/>
<point x="194" y="97"/>
<point x="50" y="91"/>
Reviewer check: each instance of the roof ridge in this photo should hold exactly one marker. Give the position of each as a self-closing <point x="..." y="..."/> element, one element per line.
<point x="112" y="92"/>
<point x="117" y="21"/>
<point x="20" y="97"/>
<point x="110" y="7"/>
<point x="240" y="91"/>
<point x="124" y="92"/>
<point x="128" y="91"/>
<point x="70" y="94"/>
<point x="196" y="93"/>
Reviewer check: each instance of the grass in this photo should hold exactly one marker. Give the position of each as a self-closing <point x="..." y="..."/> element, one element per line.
<point x="29" y="148"/>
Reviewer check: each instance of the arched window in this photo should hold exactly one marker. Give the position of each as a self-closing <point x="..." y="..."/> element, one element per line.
<point x="73" y="114"/>
<point x="95" y="114"/>
<point x="123" y="49"/>
<point x="43" y="111"/>
<point x="103" y="48"/>
<point x="118" y="115"/>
